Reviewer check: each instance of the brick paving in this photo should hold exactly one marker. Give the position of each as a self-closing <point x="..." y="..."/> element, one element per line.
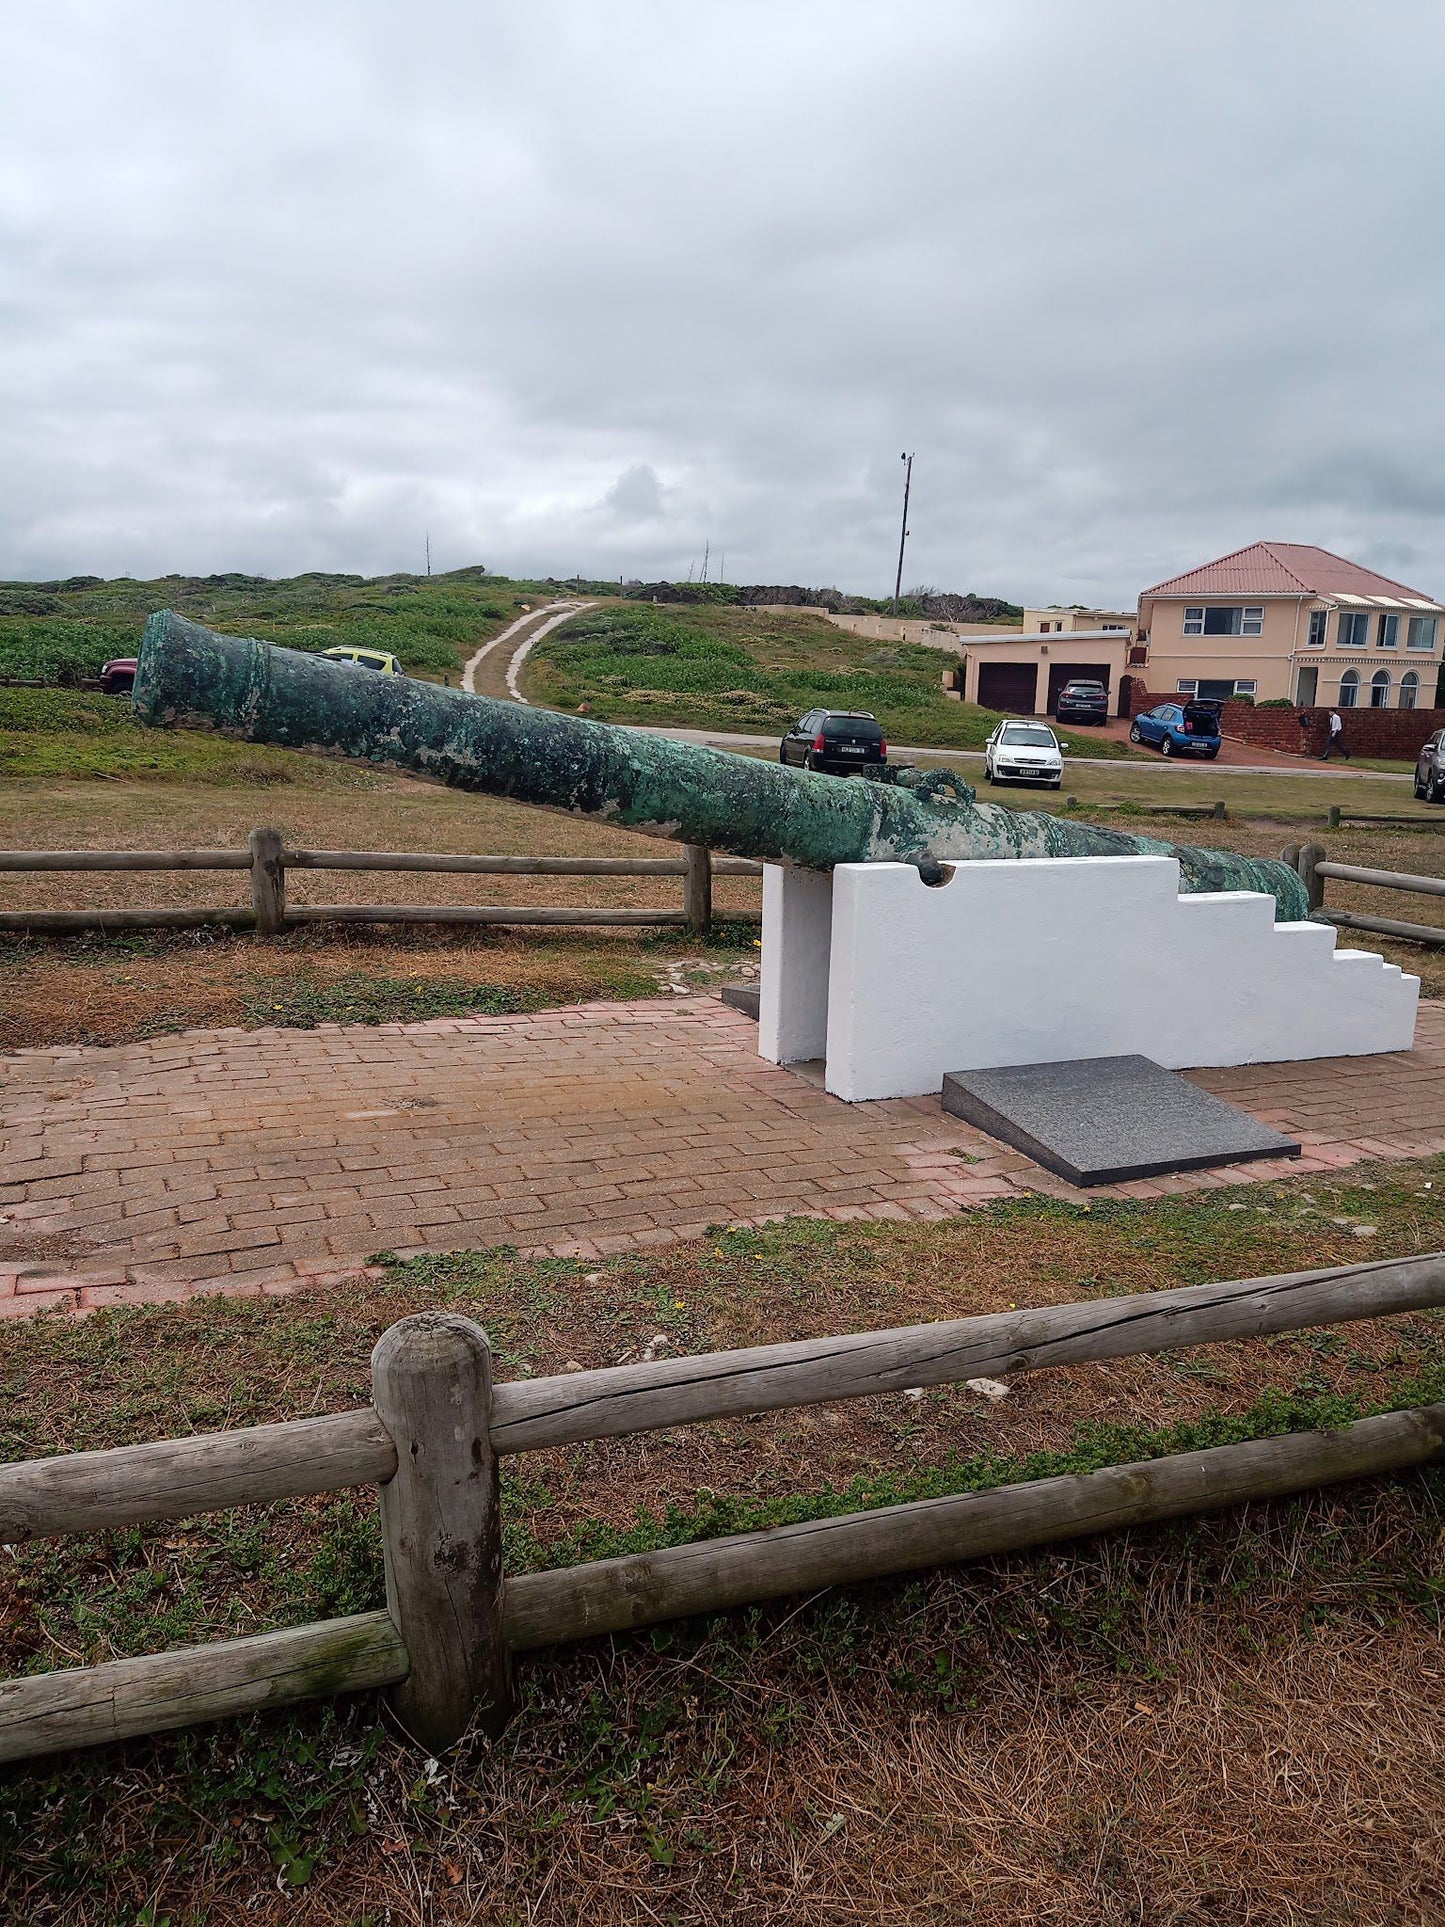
<point x="257" y="1161"/>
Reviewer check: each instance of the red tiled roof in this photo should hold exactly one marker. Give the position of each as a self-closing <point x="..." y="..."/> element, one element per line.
<point x="1283" y="568"/>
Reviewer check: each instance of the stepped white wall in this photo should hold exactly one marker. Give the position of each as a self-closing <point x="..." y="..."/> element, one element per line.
<point x="1015" y="962"/>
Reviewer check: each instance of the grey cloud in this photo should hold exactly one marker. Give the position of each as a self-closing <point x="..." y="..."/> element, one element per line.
<point x="282" y="287"/>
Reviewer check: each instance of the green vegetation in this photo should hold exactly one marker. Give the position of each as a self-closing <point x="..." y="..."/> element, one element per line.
<point x="750" y="671"/>
<point x="48" y="733"/>
<point x="64" y="631"/>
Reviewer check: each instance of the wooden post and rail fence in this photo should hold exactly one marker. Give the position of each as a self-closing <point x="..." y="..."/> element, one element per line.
<point x="268" y="860"/>
<point x="1315" y="869"/>
<point x="438" y="1426"/>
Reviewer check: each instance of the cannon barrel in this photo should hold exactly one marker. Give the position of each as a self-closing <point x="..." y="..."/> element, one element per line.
<point x="190" y="675"/>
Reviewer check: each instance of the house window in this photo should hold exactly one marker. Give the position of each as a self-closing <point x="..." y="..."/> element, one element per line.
<point x="1187" y="686"/>
<point x="1421" y="633"/>
<point x="1318" y="619"/>
<point x="1245" y="686"/>
<point x="1380" y="689"/>
<point x="1203" y="621"/>
<point x="1387" y="636"/>
<point x="1349" y="688"/>
<point x="1354" y="629"/>
<point x="1409" y="690"/>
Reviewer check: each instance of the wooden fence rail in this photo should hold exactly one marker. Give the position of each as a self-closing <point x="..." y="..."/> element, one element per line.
<point x="1315" y="870"/>
<point x="268" y="860"/>
<point x="433" y="1439"/>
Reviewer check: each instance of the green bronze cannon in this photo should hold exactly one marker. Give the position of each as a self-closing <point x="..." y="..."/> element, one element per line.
<point x="190" y="675"/>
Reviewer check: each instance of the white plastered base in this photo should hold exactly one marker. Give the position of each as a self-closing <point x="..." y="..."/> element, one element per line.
<point x="897" y="983"/>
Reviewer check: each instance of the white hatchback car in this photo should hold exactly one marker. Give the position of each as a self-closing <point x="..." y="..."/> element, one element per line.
<point x="1024" y="753"/>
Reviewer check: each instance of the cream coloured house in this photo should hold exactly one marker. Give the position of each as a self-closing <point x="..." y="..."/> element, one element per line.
<point x="1284" y="619"/>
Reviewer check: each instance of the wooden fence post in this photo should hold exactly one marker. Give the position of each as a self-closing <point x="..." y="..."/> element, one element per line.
<point x="1219" y="813"/>
<point x="1332" y="819"/>
<point x="442" y="1528"/>
<point x="1310" y="855"/>
<point x="268" y="880"/>
<point x="697" y="889"/>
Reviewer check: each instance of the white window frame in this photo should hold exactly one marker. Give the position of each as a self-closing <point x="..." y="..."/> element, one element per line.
<point x="1389" y="627"/>
<point x="1187" y="686"/>
<point x="1246" y="685"/>
<point x="1426" y="626"/>
<point x="1380" y="681"/>
<point x="1319" y="623"/>
<point x="1410" y="689"/>
<point x="1251" y="618"/>
<point x="1350" y="681"/>
<point x="1351" y="620"/>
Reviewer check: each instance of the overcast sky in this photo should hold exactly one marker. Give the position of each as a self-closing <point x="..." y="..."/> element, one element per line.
<point x="585" y="284"/>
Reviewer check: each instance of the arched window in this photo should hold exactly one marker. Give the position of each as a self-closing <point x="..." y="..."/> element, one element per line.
<point x="1409" y="690"/>
<point x="1349" y="688"/>
<point x="1380" y="689"/>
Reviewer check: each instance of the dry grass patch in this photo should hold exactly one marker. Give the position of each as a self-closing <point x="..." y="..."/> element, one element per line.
<point x="1232" y="1719"/>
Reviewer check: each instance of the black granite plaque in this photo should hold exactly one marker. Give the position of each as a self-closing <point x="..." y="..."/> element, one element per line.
<point x="743" y="997"/>
<point x="1102" y="1120"/>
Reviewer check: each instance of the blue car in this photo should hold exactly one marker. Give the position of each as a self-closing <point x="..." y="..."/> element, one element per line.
<point x="1179" y="729"/>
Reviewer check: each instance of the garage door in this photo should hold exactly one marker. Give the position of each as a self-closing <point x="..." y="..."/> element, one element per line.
<point x="1009" y="686"/>
<point x="1062" y="672"/>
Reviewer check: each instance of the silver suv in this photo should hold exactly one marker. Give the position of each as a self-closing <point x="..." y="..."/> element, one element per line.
<point x="1430" y="770"/>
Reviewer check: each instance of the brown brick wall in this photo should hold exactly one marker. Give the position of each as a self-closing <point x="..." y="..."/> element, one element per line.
<point x="1368" y="732"/>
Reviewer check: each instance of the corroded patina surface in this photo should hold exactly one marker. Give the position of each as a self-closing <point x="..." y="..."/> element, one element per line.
<point x="189" y="674"/>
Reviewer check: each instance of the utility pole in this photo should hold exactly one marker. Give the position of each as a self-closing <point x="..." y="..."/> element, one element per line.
<point x="706" y="552"/>
<point x="903" y="536"/>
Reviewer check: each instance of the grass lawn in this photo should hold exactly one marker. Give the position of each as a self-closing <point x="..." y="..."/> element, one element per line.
<point x="66" y="630"/>
<point x="105" y="990"/>
<point x="1233" y="1718"/>
<point x="749" y="669"/>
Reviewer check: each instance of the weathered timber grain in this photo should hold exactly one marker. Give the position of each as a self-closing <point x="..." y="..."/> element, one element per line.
<point x="528" y="1415"/>
<point x="125" y="860"/>
<point x="524" y="866"/>
<point x="268" y="881"/>
<point x="697" y="890"/>
<point x="442" y="1526"/>
<point x="1311" y="856"/>
<point x="467" y="913"/>
<point x="615" y="1595"/>
<point x="174" y="1478"/>
<point x="52" y="1712"/>
<point x="126" y="919"/>
<point x="1431" y="933"/>
<point x="1420" y="822"/>
<point x="1383" y="879"/>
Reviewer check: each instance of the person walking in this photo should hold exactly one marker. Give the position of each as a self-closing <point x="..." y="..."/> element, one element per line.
<point x="1336" y="739"/>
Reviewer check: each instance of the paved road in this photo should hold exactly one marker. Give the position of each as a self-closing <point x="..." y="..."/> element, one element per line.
<point x="722" y="739"/>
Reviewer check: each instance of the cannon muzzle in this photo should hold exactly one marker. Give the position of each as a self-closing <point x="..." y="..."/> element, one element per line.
<point x="189" y="675"/>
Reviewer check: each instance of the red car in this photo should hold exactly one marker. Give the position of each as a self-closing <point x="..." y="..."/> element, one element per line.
<point x="118" y="677"/>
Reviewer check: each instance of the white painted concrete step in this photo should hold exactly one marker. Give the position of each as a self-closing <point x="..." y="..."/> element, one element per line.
<point x="1026" y="962"/>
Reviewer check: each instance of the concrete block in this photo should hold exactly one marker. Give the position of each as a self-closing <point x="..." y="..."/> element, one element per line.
<point x="1049" y="959"/>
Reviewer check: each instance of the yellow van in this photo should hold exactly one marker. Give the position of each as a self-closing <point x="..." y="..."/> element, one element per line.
<point x="376" y="659"/>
